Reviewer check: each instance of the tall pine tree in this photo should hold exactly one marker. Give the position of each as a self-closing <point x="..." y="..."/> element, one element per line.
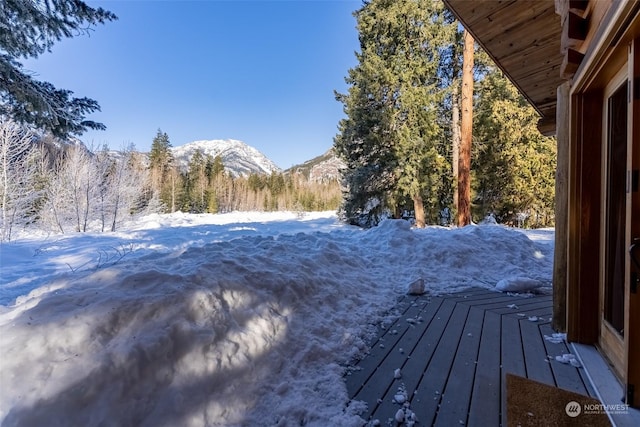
<point x="162" y="170"/>
<point x="196" y="183"/>
<point x="389" y="140"/>
<point x="513" y="164"/>
<point x="466" y="134"/>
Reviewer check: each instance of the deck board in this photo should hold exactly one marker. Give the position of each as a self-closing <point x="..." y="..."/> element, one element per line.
<point x="385" y="343"/>
<point x="417" y="347"/>
<point x="383" y="360"/>
<point x="566" y="376"/>
<point x="437" y="372"/>
<point x="418" y="359"/>
<point x="454" y="352"/>
<point x="511" y="355"/>
<point x="456" y="396"/>
<point x="485" y="397"/>
<point x="535" y="354"/>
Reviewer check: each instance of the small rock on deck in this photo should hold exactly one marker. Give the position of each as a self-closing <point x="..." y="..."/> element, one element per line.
<point x="454" y="351"/>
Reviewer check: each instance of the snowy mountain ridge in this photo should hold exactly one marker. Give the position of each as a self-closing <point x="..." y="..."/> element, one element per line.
<point x="239" y="158"/>
<point x="322" y="169"/>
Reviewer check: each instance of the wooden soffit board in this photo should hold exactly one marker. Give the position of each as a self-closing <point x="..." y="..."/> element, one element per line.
<point x="523" y="38"/>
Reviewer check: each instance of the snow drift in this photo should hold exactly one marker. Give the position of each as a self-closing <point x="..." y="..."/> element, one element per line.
<point x="205" y="327"/>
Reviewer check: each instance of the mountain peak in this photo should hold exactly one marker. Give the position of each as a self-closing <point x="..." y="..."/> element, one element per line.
<point x="324" y="168"/>
<point x="238" y="158"/>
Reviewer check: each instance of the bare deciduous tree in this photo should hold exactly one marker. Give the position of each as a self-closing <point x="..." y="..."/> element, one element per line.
<point x="17" y="177"/>
<point x="125" y="183"/>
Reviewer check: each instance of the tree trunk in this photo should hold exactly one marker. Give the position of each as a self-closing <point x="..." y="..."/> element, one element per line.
<point x="455" y="130"/>
<point x="87" y="202"/>
<point x="173" y="191"/>
<point x="464" y="164"/>
<point x="115" y="214"/>
<point x="418" y="207"/>
<point x="5" y="190"/>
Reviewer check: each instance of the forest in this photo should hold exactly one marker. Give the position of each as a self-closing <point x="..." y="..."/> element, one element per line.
<point x="433" y="126"/>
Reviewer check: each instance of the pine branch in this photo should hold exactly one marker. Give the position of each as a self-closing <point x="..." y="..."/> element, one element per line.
<point x="39" y="103"/>
<point x="29" y="28"/>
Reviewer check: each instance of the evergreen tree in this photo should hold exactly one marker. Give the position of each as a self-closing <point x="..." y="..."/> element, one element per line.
<point x="196" y="184"/>
<point x="217" y="167"/>
<point x="217" y="183"/>
<point x="515" y="165"/>
<point x="29" y="28"/>
<point x="455" y="84"/>
<point x="365" y="142"/>
<point x="163" y="179"/>
<point x="390" y="137"/>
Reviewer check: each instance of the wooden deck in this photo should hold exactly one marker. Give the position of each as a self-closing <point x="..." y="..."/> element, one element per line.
<point x="454" y="352"/>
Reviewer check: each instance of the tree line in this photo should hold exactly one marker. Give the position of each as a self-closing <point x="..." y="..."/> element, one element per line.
<point x="404" y="139"/>
<point x="205" y="186"/>
<point x="65" y="187"/>
<point x="61" y="187"/>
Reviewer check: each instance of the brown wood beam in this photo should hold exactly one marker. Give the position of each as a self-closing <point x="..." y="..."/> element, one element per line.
<point x="559" y="320"/>
<point x="577" y="26"/>
<point x="570" y="63"/>
<point x="547" y="126"/>
<point x="578" y="5"/>
<point x="633" y="301"/>
<point x="583" y="252"/>
<point x="562" y="7"/>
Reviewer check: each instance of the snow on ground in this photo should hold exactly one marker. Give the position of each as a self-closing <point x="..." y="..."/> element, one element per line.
<point x="243" y="319"/>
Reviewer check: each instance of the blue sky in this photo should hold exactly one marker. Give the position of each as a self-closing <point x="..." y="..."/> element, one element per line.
<point x="262" y="72"/>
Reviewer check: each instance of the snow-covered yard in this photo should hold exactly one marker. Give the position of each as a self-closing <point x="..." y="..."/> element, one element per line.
<point x="243" y="319"/>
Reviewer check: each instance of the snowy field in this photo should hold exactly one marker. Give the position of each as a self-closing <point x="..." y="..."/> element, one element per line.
<point x="243" y="319"/>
